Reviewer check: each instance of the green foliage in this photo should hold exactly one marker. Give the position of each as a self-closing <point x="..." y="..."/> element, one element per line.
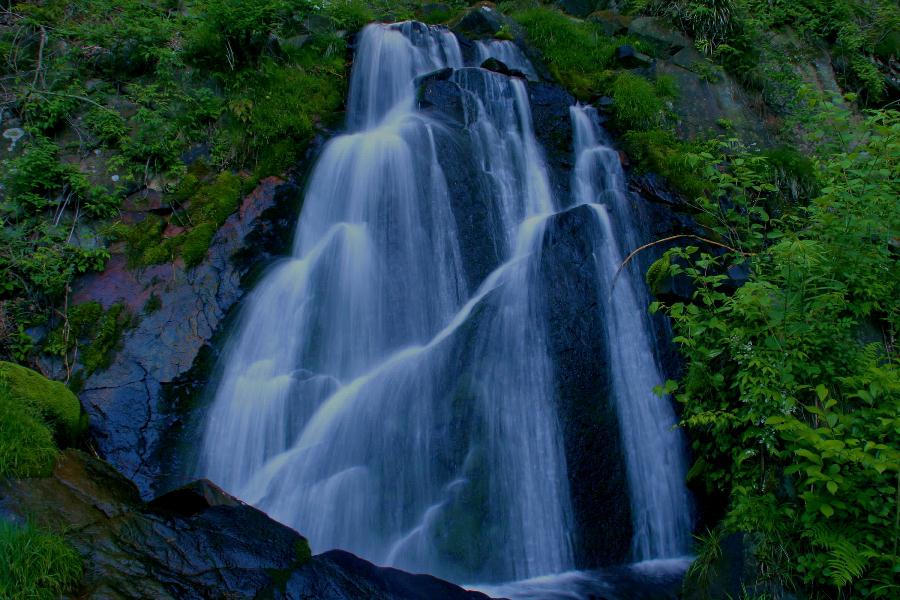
<point x="738" y="34"/>
<point x="35" y="565"/>
<point x="659" y="151"/>
<point x="50" y="401"/>
<point x="635" y="103"/>
<point x="792" y="407"/>
<point x="90" y="335"/>
<point x="233" y="34"/>
<point x="577" y="52"/>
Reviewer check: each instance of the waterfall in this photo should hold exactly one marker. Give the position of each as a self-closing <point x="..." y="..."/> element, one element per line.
<point x="653" y="447"/>
<point x="378" y="397"/>
<point x="507" y="53"/>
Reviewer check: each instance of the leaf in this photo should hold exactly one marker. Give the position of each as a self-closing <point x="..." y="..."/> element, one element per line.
<point x="826" y="510"/>
<point x="821" y="392"/>
<point x="832" y="487"/>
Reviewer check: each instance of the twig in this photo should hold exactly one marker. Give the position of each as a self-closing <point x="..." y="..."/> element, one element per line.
<point x="38" y="72"/>
<point x="82" y="98"/>
<point x="676" y="237"/>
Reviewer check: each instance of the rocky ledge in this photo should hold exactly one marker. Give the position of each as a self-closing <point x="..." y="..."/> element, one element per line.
<point x="194" y="542"/>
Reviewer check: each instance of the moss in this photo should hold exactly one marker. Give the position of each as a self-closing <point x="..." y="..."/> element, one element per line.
<point x="36" y="565"/>
<point x="195" y="243"/>
<point x="26" y="444"/>
<point x="153" y="304"/>
<point x="48" y="400"/>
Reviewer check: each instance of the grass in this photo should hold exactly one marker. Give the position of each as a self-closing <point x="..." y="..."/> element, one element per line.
<point x="35" y="565"/>
<point x="635" y="103"/>
<point x="577" y="52"/>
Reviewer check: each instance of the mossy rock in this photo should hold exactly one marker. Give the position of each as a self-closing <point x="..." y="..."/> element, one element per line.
<point x="27" y="448"/>
<point x="50" y="401"/>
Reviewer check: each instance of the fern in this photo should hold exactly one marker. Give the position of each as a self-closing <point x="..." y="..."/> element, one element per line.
<point x="846" y="562"/>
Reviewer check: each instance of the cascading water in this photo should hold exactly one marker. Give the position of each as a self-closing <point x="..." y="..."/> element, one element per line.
<point x="380" y="399"/>
<point x="653" y="446"/>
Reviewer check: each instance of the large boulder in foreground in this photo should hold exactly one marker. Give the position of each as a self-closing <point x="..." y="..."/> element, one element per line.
<point x="195" y="542"/>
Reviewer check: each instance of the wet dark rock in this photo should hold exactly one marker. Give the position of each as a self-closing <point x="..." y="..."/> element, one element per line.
<point x="497" y="66"/>
<point x="630" y="58"/>
<point x="439" y="75"/>
<point x="580" y="8"/>
<point x="481" y="21"/>
<point x="339" y="575"/>
<point x="196" y="542"/>
<point x="577" y="343"/>
<point x="127" y="414"/>
<point x="553" y="128"/>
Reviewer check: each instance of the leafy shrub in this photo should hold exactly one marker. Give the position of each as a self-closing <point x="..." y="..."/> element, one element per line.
<point x="793" y="411"/>
<point x="107" y="125"/>
<point x="350" y="14"/>
<point x="35" y="565"/>
<point x="232" y="34"/>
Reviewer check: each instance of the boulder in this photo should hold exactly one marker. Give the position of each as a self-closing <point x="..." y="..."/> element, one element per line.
<point x="553" y="128"/>
<point x="482" y="21"/>
<point x="611" y="21"/>
<point x="659" y="34"/>
<point x="629" y="58"/>
<point x="194" y="543"/>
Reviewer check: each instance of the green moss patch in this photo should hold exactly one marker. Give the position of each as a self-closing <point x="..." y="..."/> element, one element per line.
<point x="26" y="443"/>
<point x="50" y="401"/>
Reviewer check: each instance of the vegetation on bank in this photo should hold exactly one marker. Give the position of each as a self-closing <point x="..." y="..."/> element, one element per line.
<point x="35" y="565"/>
<point x="791" y="390"/>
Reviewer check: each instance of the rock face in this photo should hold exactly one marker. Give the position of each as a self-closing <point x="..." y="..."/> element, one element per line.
<point x="196" y="542"/>
<point x="124" y="403"/>
<point x="577" y="345"/>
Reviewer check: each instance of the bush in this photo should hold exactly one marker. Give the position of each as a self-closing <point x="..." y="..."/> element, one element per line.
<point x="50" y="401"/>
<point x="792" y="408"/>
<point x="233" y="34"/>
<point x="35" y="565"/>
